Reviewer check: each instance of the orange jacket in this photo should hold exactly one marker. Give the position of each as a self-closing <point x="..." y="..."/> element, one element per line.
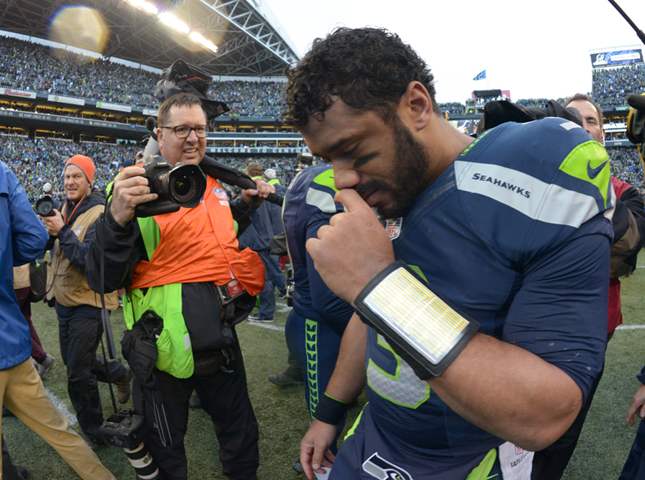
<point x="199" y="245"/>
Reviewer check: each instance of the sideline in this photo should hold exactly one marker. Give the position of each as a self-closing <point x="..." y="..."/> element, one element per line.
<point x="266" y="325"/>
<point x="58" y="403"/>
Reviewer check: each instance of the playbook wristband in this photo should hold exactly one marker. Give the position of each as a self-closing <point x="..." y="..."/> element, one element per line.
<point x="421" y="327"/>
<point x="330" y="410"/>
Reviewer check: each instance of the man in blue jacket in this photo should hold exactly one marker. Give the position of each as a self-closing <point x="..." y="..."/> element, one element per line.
<point x="21" y="389"/>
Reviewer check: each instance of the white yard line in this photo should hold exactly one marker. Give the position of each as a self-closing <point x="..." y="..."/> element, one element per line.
<point x="629" y="327"/>
<point x="270" y="326"/>
<point x="58" y="403"/>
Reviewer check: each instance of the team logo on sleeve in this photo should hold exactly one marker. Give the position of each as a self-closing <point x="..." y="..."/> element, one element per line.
<point x="384" y="470"/>
<point x="220" y="193"/>
<point x="393" y="227"/>
<point x="78" y="230"/>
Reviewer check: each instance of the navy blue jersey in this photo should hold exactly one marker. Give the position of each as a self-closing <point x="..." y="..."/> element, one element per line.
<point x="309" y="204"/>
<point x="516" y="234"/>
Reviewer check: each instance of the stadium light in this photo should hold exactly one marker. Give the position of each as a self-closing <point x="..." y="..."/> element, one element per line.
<point x="173" y="22"/>
<point x="143" y="5"/>
<point x="198" y="38"/>
<point x="170" y="19"/>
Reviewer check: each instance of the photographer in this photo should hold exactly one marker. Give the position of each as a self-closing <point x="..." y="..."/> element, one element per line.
<point x="177" y="264"/>
<point x="79" y="308"/>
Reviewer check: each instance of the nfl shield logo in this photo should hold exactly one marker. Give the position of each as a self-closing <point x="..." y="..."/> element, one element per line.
<point x="78" y="230"/>
<point x="219" y="193"/>
<point x="393" y="228"/>
<point x="518" y="450"/>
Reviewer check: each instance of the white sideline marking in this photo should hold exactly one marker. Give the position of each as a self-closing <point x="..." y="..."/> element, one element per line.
<point x="266" y="325"/>
<point x="283" y="308"/>
<point x="629" y="327"/>
<point x="58" y="403"/>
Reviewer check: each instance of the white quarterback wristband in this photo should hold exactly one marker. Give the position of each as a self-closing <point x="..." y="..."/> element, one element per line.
<point x="421" y="327"/>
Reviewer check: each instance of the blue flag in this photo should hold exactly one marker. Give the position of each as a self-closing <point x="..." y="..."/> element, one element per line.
<point x="481" y="75"/>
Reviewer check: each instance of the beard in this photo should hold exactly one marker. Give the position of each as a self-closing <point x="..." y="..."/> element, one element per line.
<point x="410" y="174"/>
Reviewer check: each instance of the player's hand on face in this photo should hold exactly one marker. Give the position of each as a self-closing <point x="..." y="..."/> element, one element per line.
<point x="637" y="406"/>
<point x="352" y="249"/>
<point x="314" y="448"/>
<point x="53" y="223"/>
<point x="130" y="190"/>
<point x="262" y="191"/>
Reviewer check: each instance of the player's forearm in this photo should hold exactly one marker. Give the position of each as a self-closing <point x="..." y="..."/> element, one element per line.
<point x="510" y="393"/>
<point x="348" y="378"/>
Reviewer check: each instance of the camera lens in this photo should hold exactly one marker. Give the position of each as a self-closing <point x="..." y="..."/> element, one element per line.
<point x="182" y="186"/>
<point x="45" y="206"/>
<point x="186" y="185"/>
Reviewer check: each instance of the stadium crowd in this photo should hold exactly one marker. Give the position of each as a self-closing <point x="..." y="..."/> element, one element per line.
<point x="626" y="166"/>
<point x="612" y="86"/>
<point x="39" y="161"/>
<point x="35" y="67"/>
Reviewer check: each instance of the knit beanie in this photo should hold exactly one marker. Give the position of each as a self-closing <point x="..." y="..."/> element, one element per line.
<point x="85" y="164"/>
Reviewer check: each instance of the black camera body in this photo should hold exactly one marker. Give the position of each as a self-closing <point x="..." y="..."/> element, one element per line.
<point x="45" y="206"/>
<point x="178" y="185"/>
<point x="124" y="429"/>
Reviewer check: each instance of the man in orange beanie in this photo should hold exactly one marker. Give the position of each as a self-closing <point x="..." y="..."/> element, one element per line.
<point x="77" y="306"/>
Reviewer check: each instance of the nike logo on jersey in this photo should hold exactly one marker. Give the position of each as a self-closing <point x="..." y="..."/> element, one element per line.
<point x="593" y="172"/>
<point x="507" y="185"/>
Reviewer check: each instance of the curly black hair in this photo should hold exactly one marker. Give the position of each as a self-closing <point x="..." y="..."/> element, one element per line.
<point x="368" y="68"/>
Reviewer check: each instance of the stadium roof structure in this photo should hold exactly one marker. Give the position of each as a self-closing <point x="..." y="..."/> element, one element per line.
<point x="250" y="40"/>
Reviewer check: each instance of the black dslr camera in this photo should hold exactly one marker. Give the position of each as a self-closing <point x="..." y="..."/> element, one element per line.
<point x="45" y="206"/>
<point x="177" y="186"/>
<point x="124" y="429"/>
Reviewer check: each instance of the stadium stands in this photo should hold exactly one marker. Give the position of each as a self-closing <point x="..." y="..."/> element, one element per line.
<point x="34" y="67"/>
<point x="38" y="161"/>
<point x="612" y="86"/>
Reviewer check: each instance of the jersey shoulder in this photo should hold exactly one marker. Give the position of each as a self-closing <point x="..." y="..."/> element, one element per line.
<point x="534" y="184"/>
<point x="315" y="188"/>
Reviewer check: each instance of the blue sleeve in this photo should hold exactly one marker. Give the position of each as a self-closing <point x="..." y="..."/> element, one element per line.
<point x="28" y="233"/>
<point x="329" y="306"/>
<point x="560" y="311"/>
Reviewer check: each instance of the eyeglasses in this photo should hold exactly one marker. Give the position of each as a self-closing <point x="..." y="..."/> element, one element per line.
<point x="182" y="131"/>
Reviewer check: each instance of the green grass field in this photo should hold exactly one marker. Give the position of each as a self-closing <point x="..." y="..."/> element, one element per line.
<point x="283" y="419"/>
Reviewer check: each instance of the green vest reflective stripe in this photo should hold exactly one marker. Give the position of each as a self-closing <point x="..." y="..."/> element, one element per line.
<point x="274" y="181"/>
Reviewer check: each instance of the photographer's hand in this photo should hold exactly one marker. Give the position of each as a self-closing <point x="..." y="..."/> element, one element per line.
<point x="263" y="191"/>
<point x="53" y="223"/>
<point x="130" y="190"/>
